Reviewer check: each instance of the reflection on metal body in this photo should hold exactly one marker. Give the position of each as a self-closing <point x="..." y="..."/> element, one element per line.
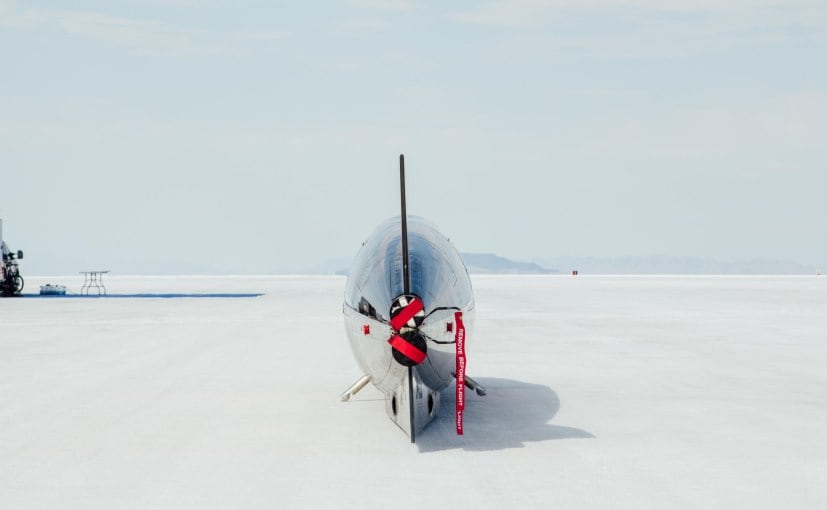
<point x="440" y="280"/>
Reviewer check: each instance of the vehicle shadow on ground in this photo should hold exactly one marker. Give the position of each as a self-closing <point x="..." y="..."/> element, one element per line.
<point x="512" y="414"/>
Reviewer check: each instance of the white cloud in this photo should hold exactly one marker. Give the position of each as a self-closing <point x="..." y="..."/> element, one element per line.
<point x="508" y="13"/>
<point x="142" y="36"/>
<point x="262" y="36"/>
<point x="631" y="29"/>
<point x="774" y="132"/>
<point x="146" y="37"/>
<point x="362" y="24"/>
<point x="384" y="5"/>
<point x="531" y="12"/>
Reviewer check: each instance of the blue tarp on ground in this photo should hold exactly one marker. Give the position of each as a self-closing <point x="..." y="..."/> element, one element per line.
<point x="165" y="295"/>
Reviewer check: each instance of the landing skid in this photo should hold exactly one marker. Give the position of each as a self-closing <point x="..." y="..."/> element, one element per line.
<point x="475" y="386"/>
<point x="355" y="388"/>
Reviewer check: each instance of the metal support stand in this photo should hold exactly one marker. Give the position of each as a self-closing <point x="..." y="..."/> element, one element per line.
<point x="355" y="388"/>
<point x="93" y="280"/>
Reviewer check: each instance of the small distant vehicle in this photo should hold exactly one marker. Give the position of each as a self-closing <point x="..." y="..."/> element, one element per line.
<point x="11" y="283"/>
<point x="52" y="290"/>
<point x="408" y="308"/>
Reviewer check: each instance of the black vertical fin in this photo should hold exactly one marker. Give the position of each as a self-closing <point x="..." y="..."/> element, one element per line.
<point x="406" y="284"/>
<point x="406" y="274"/>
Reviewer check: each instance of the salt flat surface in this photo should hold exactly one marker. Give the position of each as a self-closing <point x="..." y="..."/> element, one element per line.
<point x="604" y="392"/>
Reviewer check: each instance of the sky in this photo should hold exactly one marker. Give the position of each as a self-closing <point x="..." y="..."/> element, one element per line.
<point x="202" y="137"/>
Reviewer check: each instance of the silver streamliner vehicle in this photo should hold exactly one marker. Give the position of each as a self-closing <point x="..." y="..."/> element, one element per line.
<point x="408" y="310"/>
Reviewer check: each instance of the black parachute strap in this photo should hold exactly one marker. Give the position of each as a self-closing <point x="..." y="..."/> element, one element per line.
<point x="440" y="309"/>
<point x="443" y="308"/>
<point x="434" y="340"/>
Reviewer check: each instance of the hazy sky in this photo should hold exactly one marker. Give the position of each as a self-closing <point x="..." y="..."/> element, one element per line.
<point x="201" y="136"/>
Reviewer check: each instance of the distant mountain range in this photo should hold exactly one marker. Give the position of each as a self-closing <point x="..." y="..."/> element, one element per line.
<point x="477" y="263"/>
<point x="663" y="264"/>
<point x="489" y="263"/>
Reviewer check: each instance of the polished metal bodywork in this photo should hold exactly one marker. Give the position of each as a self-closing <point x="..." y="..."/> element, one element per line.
<point x="439" y="278"/>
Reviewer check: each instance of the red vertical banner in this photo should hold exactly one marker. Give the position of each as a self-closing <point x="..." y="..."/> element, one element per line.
<point x="460" y="345"/>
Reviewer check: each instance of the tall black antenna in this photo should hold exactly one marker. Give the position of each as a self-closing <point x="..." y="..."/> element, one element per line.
<point x="406" y="275"/>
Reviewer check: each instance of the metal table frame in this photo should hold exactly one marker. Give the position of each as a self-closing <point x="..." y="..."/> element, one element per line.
<point x="93" y="280"/>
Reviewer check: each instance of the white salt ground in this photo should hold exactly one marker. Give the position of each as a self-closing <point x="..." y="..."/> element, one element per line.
<point x="604" y="392"/>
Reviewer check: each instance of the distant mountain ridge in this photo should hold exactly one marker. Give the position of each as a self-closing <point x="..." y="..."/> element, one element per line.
<point x="477" y="263"/>
<point x="665" y="264"/>
<point x="488" y="263"/>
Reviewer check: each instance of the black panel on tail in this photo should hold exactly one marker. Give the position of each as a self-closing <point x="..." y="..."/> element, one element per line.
<point x="406" y="280"/>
